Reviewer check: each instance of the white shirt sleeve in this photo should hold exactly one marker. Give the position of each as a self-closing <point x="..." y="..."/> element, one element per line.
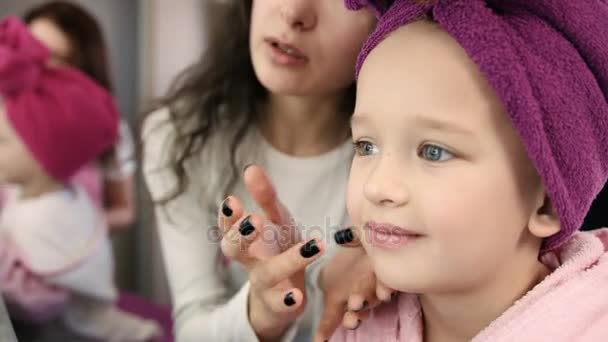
<point x="191" y="249"/>
<point x="123" y="163"/>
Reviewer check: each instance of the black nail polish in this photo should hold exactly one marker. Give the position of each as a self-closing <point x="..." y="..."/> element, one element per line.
<point x="226" y="209"/>
<point x="364" y="305"/>
<point x="289" y="300"/>
<point x="344" y="236"/>
<point x="246" y="228"/>
<point x="310" y="249"/>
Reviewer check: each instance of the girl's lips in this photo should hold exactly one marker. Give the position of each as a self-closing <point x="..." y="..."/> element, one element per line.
<point x="388" y="236"/>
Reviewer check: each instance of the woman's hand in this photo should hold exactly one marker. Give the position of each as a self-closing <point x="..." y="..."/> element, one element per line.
<point x="349" y="286"/>
<point x="270" y="249"/>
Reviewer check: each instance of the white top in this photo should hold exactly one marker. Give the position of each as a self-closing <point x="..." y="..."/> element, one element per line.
<point x="210" y="295"/>
<point x="123" y="163"/>
<point x="62" y="238"/>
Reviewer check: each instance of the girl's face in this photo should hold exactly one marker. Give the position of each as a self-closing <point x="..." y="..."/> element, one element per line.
<point x="441" y="189"/>
<point x="53" y="38"/>
<point x="306" y="47"/>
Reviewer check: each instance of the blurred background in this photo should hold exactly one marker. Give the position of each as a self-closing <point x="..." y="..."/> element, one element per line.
<point x="149" y="42"/>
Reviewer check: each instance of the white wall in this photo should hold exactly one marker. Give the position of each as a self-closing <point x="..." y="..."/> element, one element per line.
<point x="171" y="38"/>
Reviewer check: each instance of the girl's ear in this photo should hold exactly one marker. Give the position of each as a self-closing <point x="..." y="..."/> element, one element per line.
<point x="544" y="221"/>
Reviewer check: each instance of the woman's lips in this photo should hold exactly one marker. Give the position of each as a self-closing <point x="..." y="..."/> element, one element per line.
<point x="285" y="54"/>
<point x="388" y="236"/>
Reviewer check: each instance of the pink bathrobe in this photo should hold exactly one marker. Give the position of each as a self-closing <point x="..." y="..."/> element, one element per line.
<point x="571" y="304"/>
<point x="51" y="246"/>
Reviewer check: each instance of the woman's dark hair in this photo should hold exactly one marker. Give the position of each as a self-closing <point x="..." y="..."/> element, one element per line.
<point x="221" y="87"/>
<point x="88" y="49"/>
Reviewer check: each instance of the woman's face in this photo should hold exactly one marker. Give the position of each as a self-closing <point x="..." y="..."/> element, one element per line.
<point x="306" y="47"/>
<point x="53" y="38"/>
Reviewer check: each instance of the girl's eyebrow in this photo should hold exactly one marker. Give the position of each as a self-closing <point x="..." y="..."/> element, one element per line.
<point x="421" y="121"/>
<point x="440" y="125"/>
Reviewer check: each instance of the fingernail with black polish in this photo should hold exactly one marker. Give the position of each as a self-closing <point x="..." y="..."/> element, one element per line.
<point x="246" y="228"/>
<point x="226" y="209"/>
<point x="310" y="249"/>
<point x="364" y="305"/>
<point x="344" y="236"/>
<point x="289" y="300"/>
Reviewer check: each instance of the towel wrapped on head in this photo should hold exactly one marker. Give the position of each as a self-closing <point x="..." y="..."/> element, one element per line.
<point x="548" y="63"/>
<point x="64" y="118"/>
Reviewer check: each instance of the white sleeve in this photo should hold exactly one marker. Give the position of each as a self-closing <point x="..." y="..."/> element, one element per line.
<point x="192" y="255"/>
<point x="123" y="164"/>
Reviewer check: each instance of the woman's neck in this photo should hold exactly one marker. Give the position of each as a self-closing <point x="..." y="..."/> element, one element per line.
<point x="303" y="127"/>
<point x="462" y="316"/>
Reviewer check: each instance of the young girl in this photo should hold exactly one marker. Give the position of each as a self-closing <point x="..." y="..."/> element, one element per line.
<point x="74" y="38"/>
<point x="480" y="137"/>
<point x="56" y="257"/>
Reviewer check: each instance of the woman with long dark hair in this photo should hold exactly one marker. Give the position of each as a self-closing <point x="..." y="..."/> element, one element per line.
<point x="275" y="88"/>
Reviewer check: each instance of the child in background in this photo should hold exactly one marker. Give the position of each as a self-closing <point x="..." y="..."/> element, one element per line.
<point x="481" y="138"/>
<point x="75" y="38"/>
<point x="56" y="256"/>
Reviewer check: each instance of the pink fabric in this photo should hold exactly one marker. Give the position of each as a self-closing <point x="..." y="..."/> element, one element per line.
<point x="148" y="310"/>
<point x="65" y="119"/>
<point x="571" y="304"/>
<point x="90" y="179"/>
<point x="28" y="297"/>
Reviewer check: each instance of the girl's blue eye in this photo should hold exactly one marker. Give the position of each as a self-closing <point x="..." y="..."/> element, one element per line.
<point x="435" y="153"/>
<point x="364" y="148"/>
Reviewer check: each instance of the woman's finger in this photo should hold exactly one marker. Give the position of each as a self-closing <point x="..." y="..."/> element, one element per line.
<point x="332" y="316"/>
<point x="384" y="293"/>
<point x="230" y="211"/>
<point x="280" y="267"/>
<point x="283" y="301"/>
<point x="236" y="242"/>
<point x="352" y="320"/>
<point x="347" y="238"/>
<point x="262" y="191"/>
<point x="363" y="294"/>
